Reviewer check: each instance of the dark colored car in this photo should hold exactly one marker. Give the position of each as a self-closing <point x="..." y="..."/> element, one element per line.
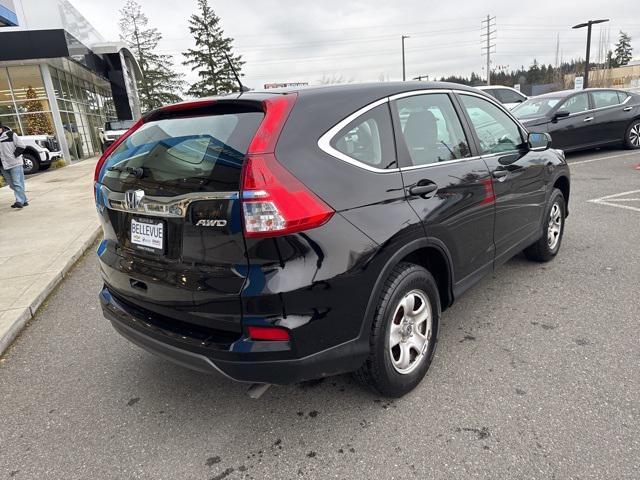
<point x="281" y="237"/>
<point x="581" y="119"/>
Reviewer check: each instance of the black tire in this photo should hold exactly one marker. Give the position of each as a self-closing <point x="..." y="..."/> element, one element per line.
<point x="31" y="163"/>
<point x="378" y="371"/>
<point x="547" y="248"/>
<point x="632" y="135"/>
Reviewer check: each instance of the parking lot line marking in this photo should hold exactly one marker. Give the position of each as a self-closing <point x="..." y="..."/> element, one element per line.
<point x="615" y="201"/>
<point x="609" y="157"/>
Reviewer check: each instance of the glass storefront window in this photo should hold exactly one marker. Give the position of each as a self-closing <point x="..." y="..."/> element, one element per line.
<point x="7" y="108"/>
<point x="32" y="105"/>
<point x="27" y="82"/>
<point x="11" y="121"/>
<point x="5" y="89"/>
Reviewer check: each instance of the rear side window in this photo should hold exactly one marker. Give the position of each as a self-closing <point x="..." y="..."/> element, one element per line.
<point x="368" y="139"/>
<point x="605" y="98"/>
<point x="509" y="96"/>
<point x="495" y="129"/>
<point x="181" y="155"/>
<point x="576" y="104"/>
<point x="431" y="129"/>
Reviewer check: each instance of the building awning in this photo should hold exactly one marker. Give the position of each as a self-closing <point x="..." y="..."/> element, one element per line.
<point x="107" y="48"/>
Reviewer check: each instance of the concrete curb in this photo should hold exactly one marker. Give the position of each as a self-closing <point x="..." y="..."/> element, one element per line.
<point x="13" y="321"/>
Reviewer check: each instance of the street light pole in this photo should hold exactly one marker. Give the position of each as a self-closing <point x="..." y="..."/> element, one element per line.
<point x="586" y="65"/>
<point x="404" y="69"/>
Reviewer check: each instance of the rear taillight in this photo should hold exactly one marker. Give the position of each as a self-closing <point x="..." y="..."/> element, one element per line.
<point x="274" y="202"/>
<point x="274" y="334"/>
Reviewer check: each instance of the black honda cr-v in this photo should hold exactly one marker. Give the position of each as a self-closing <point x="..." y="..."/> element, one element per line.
<point x="281" y="237"/>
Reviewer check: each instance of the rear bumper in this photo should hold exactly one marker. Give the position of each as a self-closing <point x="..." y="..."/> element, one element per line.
<point x="241" y="360"/>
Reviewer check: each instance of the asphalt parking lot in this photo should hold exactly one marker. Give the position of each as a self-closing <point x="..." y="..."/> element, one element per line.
<point x="536" y="376"/>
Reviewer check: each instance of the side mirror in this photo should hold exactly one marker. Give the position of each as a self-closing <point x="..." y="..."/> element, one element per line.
<point x="539" y="142"/>
<point x="561" y="114"/>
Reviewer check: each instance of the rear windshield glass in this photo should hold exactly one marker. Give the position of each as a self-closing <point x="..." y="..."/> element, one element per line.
<point x="120" y="125"/>
<point x="181" y="155"/>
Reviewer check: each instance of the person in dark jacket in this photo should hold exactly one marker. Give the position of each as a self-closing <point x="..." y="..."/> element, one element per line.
<point x="11" y="163"/>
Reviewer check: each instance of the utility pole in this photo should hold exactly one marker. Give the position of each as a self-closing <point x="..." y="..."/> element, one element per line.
<point x="404" y="69"/>
<point x="586" y="62"/>
<point x="490" y="37"/>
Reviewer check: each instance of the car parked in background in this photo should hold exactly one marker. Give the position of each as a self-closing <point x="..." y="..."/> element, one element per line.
<point x="509" y="97"/>
<point x="276" y="237"/>
<point x="581" y="119"/>
<point x="40" y="151"/>
<point x="113" y="131"/>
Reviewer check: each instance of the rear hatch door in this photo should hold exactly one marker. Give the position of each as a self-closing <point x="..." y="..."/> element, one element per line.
<point x="169" y="199"/>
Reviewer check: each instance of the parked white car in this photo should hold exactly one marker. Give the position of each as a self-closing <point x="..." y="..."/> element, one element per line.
<point x="40" y="151"/>
<point x="113" y="131"/>
<point x="509" y="97"/>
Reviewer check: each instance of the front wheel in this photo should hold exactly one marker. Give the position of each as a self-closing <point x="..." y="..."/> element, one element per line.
<point x="404" y="332"/>
<point x="548" y="246"/>
<point x="632" y="137"/>
<point x="31" y="164"/>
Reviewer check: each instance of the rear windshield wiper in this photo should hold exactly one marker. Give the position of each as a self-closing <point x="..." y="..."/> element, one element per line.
<point x="137" y="172"/>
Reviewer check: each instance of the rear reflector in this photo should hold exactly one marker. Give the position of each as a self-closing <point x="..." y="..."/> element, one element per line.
<point x="275" y="334"/>
<point x="274" y="202"/>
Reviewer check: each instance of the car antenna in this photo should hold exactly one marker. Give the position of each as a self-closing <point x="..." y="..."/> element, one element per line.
<point x="242" y="90"/>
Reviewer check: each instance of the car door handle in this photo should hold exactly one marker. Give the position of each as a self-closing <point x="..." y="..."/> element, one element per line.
<point x="423" y="188"/>
<point x="588" y="119"/>
<point x="500" y="174"/>
<point x="627" y="109"/>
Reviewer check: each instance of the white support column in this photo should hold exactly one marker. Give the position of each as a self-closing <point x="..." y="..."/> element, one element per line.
<point x="55" y="111"/>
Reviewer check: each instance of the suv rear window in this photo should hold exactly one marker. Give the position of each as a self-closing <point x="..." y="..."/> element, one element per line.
<point x="181" y="155"/>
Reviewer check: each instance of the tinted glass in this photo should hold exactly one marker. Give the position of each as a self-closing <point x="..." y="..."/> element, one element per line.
<point x="491" y="91"/>
<point x="622" y="96"/>
<point x="121" y="125"/>
<point x="509" y="96"/>
<point x="496" y="131"/>
<point x="431" y="129"/>
<point x="369" y="139"/>
<point x="605" y="98"/>
<point x="576" y="104"/>
<point x="181" y="155"/>
<point x="535" y="107"/>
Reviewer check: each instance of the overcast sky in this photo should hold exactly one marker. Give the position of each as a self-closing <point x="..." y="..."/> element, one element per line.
<point x="292" y="40"/>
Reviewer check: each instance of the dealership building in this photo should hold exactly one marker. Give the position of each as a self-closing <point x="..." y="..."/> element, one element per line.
<point x="59" y="76"/>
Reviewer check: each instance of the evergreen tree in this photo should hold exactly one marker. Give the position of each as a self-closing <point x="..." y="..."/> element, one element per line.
<point x="612" y="61"/>
<point x="623" y="49"/>
<point x="160" y="84"/>
<point x="209" y="57"/>
<point x="37" y="121"/>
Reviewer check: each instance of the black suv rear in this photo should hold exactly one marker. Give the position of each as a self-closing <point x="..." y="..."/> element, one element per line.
<point x="280" y="237"/>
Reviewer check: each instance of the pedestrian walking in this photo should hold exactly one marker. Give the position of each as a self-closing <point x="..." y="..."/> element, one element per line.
<point x="11" y="164"/>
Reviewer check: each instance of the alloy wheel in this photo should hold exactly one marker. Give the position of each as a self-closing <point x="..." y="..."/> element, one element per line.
<point x="28" y="165"/>
<point x="410" y="331"/>
<point x="634" y="135"/>
<point x="555" y="226"/>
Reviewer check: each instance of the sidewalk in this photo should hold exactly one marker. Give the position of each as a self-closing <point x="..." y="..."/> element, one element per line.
<point x="41" y="242"/>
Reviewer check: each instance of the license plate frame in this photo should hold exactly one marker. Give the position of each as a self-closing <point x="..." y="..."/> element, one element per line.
<point x="148" y="234"/>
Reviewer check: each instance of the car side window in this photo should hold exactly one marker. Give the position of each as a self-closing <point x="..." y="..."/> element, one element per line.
<point x="431" y="129"/>
<point x="622" y="96"/>
<point x="605" y="98"/>
<point x="369" y="139"/>
<point x="576" y="104"/>
<point x="496" y="130"/>
<point x="508" y="96"/>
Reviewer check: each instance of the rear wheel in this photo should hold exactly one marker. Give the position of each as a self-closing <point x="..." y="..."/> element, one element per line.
<point x="31" y="164"/>
<point x="548" y="246"/>
<point x="404" y="332"/>
<point x="632" y="137"/>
